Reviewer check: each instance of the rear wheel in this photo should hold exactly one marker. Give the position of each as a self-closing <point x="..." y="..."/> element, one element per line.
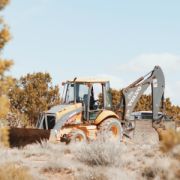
<point x="112" y="128"/>
<point x="77" y="136"/>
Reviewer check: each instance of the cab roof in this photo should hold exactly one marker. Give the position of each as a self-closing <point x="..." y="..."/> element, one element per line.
<point x="89" y="80"/>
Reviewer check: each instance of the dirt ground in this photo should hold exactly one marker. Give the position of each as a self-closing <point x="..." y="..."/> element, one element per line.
<point x="145" y="133"/>
<point x="139" y="158"/>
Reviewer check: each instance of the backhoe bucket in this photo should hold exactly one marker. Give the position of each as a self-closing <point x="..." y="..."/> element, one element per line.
<point x="20" y="137"/>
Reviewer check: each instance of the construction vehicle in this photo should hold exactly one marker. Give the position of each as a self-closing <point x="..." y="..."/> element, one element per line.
<point x="86" y="111"/>
<point x="82" y="115"/>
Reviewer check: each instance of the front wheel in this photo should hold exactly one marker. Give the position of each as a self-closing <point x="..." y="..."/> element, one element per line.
<point x="77" y="135"/>
<point x="111" y="128"/>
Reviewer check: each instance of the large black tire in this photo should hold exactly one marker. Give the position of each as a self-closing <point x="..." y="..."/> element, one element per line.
<point x="112" y="128"/>
<point x="77" y="135"/>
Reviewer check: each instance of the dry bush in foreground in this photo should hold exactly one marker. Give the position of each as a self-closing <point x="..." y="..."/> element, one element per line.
<point x="11" y="171"/>
<point x="56" y="169"/>
<point x="4" y="141"/>
<point x="97" y="154"/>
<point x="91" y="174"/>
<point x="103" y="173"/>
<point x="58" y="165"/>
<point x="175" y="152"/>
<point x="100" y="159"/>
<point x="161" y="168"/>
<point x="170" y="139"/>
<point x="100" y="153"/>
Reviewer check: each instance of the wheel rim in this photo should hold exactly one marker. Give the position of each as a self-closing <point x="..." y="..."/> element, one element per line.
<point x="79" y="138"/>
<point x="114" y="131"/>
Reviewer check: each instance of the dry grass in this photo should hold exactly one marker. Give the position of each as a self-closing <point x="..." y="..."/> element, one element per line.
<point x="100" y="153"/>
<point x="102" y="173"/>
<point x="97" y="173"/>
<point x="161" y="168"/>
<point x="100" y="159"/>
<point x="165" y="165"/>
<point x="170" y="138"/>
<point x="58" y="165"/>
<point x="4" y="137"/>
<point x="11" y="171"/>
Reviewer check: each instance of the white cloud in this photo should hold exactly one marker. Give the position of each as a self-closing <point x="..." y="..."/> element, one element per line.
<point x="173" y="91"/>
<point x="141" y="65"/>
<point x="144" y="63"/>
<point x="115" y="82"/>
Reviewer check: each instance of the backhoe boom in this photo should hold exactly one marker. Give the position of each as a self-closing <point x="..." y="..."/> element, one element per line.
<point x="134" y="91"/>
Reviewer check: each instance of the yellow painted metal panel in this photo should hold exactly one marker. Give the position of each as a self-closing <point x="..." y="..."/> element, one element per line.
<point x="90" y="80"/>
<point x="104" y="115"/>
<point x="68" y="109"/>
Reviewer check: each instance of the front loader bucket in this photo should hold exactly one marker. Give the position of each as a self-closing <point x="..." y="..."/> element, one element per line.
<point x="20" y="137"/>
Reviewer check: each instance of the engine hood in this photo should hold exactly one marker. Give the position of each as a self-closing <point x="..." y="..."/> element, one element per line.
<point x="64" y="112"/>
<point x="60" y="108"/>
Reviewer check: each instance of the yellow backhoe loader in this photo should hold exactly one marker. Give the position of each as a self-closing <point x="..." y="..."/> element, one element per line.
<point x="86" y="112"/>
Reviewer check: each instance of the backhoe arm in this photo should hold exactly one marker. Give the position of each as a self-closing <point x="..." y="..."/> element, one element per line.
<point x="134" y="91"/>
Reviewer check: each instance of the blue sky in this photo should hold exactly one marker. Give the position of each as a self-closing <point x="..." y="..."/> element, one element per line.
<point x="117" y="39"/>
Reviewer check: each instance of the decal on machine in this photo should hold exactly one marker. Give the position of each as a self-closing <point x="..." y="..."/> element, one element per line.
<point x="72" y="118"/>
<point x="134" y="96"/>
<point x="155" y="83"/>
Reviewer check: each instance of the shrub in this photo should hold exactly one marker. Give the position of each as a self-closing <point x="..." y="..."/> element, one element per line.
<point x="100" y="153"/>
<point x="92" y="174"/>
<point x="11" y="171"/>
<point x="164" y="167"/>
<point x="4" y="137"/>
<point x="170" y="138"/>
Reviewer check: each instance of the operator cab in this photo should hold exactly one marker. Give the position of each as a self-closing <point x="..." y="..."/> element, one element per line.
<point x="93" y="94"/>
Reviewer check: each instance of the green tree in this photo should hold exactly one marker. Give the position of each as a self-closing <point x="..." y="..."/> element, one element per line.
<point x="32" y="94"/>
<point x="5" y="81"/>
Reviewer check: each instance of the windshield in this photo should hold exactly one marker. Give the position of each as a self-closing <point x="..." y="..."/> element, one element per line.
<point x="81" y="92"/>
<point x="69" y="93"/>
